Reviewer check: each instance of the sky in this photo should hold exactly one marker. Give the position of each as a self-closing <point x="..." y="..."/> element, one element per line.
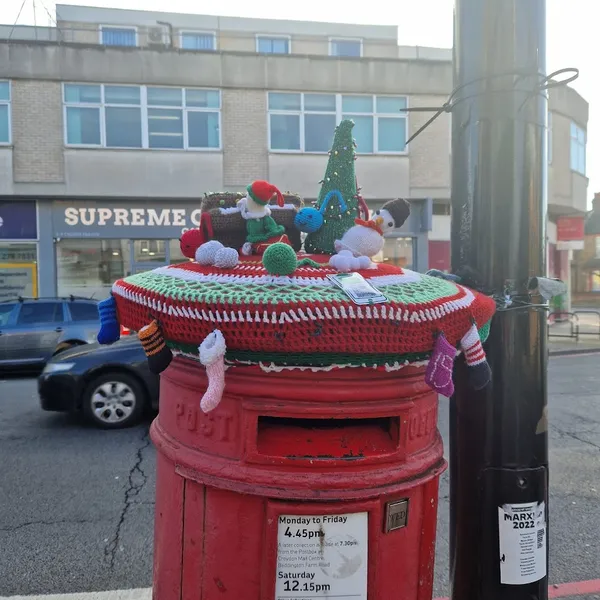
<point x="572" y="32"/>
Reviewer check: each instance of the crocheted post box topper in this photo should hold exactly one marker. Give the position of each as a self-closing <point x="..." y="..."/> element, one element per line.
<point x="302" y="319"/>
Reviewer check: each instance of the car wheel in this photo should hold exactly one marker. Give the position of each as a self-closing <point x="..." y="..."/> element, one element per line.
<point x="66" y="346"/>
<point x="114" y="401"/>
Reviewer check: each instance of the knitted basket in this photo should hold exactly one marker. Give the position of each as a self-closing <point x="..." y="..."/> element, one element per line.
<point x="230" y="228"/>
<point x="302" y="320"/>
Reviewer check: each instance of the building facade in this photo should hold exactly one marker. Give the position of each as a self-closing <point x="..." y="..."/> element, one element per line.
<point x="115" y="123"/>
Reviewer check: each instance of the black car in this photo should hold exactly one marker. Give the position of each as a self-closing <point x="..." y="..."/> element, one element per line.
<point x="110" y="385"/>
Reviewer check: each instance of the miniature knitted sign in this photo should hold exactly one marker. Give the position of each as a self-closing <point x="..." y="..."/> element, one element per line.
<point x="302" y="319"/>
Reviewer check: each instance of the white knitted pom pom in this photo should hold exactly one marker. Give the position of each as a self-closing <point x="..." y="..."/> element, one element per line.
<point x="205" y="255"/>
<point x="226" y="258"/>
<point x="341" y="262"/>
<point x="364" y="262"/>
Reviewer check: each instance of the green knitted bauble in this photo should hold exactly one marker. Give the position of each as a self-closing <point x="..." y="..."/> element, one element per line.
<point x="280" y="259"/>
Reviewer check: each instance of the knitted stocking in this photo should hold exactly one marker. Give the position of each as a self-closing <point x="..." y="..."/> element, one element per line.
<point x="480" y="373"/>
<point x="438" y="374"/>
<point x="109" y="325"/>
<point x="212" y="356"/>
<point x="153" y="342"/>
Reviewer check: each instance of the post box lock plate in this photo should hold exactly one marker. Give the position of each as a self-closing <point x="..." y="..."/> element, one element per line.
<point x="396" y="515"/>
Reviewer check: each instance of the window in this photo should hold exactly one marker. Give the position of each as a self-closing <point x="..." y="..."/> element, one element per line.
<point x="36" y="313"/>
<point x="273" y="44"/>
<point x="88" y="268"/>
<point x="18" y="270"/>
<point x="197" y="40"/>
<point x="398" y="251"/>
<point x="119" y="116"/>
<point x="345" y="47"/>
<point x="4" y="112"/>
<point x="549" y="138"/>
<point x="5" y="313"/>
<point x="83" y="311"/>
<point x="306" y="122"/>
<point x="577" y="148"/>
<point x="118" y="36"/>
<point x="597" y="242"/>
<point x="150" y="251"/>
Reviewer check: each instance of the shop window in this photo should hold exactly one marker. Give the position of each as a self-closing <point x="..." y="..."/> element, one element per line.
<point x="18" y="270"/>
<point x="397" y="251"/>
<point x="124" y="116"/>
<point x="149" y="251"/>
<point x="88" y="268"/>
<point x="175" y="255"/>
<point x="306" y="122"/>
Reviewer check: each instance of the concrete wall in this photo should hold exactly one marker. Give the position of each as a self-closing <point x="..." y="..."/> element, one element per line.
<point x="224" y="70"/>
<point x="430" y="150"/>
<point x="142" y="173"/>
<point x="567" y="190"/>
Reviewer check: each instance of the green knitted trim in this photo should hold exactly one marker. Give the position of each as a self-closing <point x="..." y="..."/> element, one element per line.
<point x="312" y="360"/>
<point x="484" y="332"/>
<point x="427" y="289"/>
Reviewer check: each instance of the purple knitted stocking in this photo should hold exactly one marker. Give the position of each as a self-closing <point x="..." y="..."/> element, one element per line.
<point x="438" y="374"/>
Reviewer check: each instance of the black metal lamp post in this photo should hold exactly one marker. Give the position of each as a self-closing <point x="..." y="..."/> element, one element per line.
<point x="499" y="443"/>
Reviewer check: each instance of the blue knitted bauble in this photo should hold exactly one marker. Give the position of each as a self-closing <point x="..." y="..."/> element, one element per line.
<point x="308" y="220"/>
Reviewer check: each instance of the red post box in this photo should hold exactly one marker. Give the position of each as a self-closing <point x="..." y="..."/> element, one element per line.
<point x="309" y="469"/>
<point x="297" y="486"/>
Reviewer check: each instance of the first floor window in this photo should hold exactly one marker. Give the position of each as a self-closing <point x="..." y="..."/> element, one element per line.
<point x="4" y="112"/>
<point x="114" y="116"/>
<point x="306" y="122"/>
<point x="578" y="141"/>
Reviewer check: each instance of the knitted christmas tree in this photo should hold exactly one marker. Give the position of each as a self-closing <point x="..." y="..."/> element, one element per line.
<point x="339" y="177"/>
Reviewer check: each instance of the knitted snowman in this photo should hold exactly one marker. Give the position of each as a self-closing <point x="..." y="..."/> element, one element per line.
<point x="366" y="237"/>
<point x="260" y="226"/>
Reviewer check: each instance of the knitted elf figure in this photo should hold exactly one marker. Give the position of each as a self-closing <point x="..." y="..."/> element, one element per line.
<point x="260" y="225"/>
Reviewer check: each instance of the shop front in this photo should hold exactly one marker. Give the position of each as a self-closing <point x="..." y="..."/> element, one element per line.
<point x="407" y="247"/>
<point x="96" y="243"/>
<point x="18" y="249"/>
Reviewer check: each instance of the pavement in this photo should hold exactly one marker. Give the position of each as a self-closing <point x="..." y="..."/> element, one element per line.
<point x="78" y="503"/>
<point x="579" y="334"/>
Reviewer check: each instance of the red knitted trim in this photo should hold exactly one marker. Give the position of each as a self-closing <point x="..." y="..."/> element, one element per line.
<point x="255" y="268"/>
<point x="306" y="336"/>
